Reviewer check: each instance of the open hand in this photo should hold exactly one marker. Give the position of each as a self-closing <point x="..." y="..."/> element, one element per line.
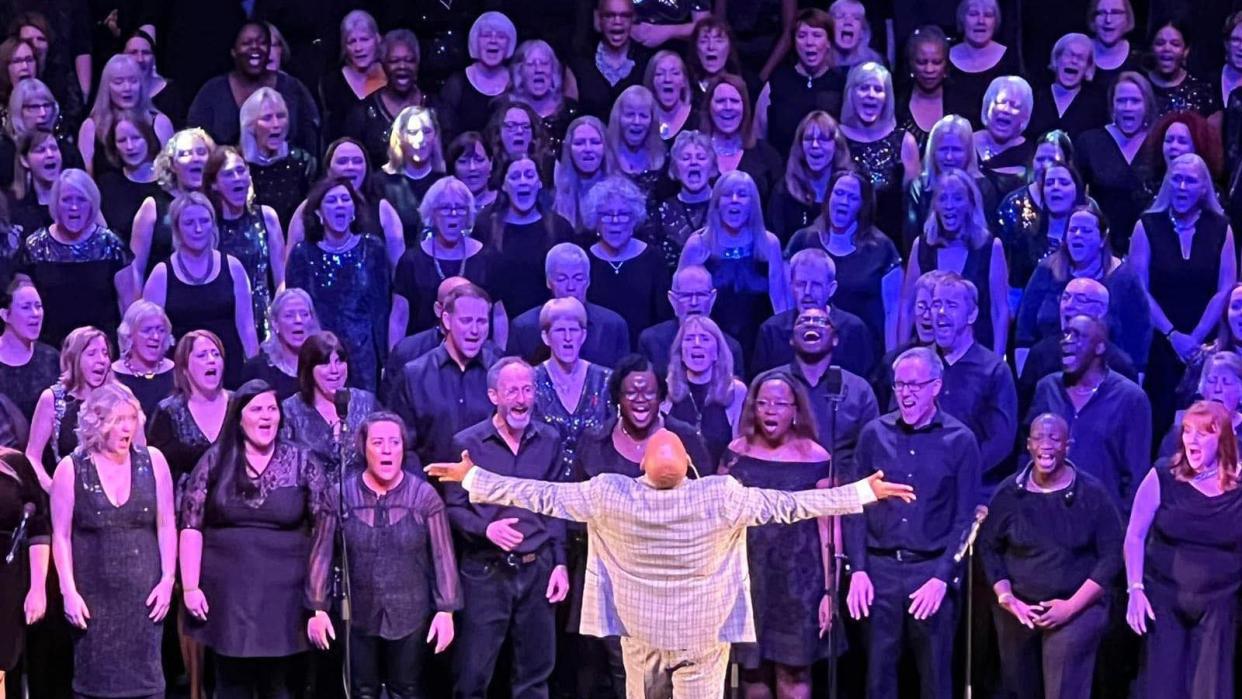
<point x="925" y="601"/>
<point x="451" y="472"/>
<point x="860" y="596"/>
<point x="883" y="489"/>
<point x="195" y="603"/>
<point x="319" y="630"/>
<point x="75" y="609"/>
<point x="160" y="599"/>
<point x="441" y="631"/>
<point x="1139" y="611"/>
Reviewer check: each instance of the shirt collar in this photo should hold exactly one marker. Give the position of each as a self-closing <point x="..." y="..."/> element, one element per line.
<point x="893" y="419"/>
<point x="445" y="358"/>
<point x="614" y="74"/>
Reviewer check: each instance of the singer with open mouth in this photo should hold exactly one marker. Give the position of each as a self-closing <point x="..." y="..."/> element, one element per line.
<point x="666" y="570"/>
<point x="905" y="557"/>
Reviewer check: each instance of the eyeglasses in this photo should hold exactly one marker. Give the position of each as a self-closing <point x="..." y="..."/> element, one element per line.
<point x="614" y="16"/>
<point x="640" y="395"/>
<point x="38" y="107"/>
<point x="1101" y="14"/>
<point x="901" y="386"/>
<point x="516" y="126"/>
<point x="451" y="209"/>
<point x="692" y="296"/>
<point x="778" y="404"/>
<point x="20" y="61"/>
<point x="616" y="216"/>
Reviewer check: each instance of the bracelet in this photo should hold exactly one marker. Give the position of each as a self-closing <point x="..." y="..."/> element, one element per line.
<point x="1135" y="586"/>
<point x="1004" y="597"/>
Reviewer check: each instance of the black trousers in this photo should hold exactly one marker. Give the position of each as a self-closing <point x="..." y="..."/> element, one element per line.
<point x="505" y="601"/>
<point x="259" y="678"/>
<point x="891" y="629"/>
<point x="1189" y="649"/>
<point x="1056" y="664"/>
<point x="396" y="664"/>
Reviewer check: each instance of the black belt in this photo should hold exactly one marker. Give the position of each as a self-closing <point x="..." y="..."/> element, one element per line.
<point x="513" y="560"/>
<point x="905" y="555"/>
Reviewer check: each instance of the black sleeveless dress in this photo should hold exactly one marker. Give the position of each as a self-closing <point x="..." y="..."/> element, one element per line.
<point x="880" y="161"/>
<point x="116" y="563"/>
<point x="977" y="268"/>
<point x="711" y="422"/>
<point x="1183" y="288"/>
<point x="161" y="235"/>
<point x="742" y="299"/>
<point x="209" y="306"/>
<point x="786" y="569"/>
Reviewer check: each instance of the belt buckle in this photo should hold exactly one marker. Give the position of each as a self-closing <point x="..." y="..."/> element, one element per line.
<point x="513" y="560"/>
<point x="898" y="556"/>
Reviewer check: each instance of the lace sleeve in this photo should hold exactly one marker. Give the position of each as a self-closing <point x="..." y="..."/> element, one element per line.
<point x="447" y="592"/>
<point x="194" y="501"/>
<point x="323" y="527"/>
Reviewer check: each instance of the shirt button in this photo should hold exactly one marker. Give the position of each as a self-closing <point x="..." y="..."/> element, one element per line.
<point x="911" y="452"/>
<point x="904" y="520"/>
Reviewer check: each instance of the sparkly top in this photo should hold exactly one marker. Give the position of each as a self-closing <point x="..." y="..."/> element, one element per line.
<point x="1017" y="225"/>
<point x="302" y="424"/>
<point x="678" y="220"/>
<point x="283" y="184"/>
<point x="245" y="238"/>
<point x="99" y="245"/>
<point x="591" y="412"/>
<point x="1192" y="95"/>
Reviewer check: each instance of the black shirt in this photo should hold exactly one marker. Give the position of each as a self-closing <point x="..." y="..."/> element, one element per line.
<point x="597" y="454"/>
<point x="838" y="429"/>
<point x="538" y="458"/>
<point x="941" y="461"/>
<point x="855" y="351"/>
<point x="979" y="390"/>
<point x="1045" y="358"/>
<point x="437" y="399"/>
<point x="607" y="339"/>
<point x="1048" y="544"/>
<point x="595" y="94"/>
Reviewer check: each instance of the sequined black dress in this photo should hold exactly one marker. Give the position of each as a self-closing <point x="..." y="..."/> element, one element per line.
<point x="116" y="564"/>
<point x="591" y="411"/>
<point x="245" y="238"/>
<point x="880" y="161"/>
<point x="350" y="290"/>
<point x="742" y="298"/>
<point x="173" y="430"/>
<point x="76" y="280"/>
<point x="23" y="384"/>
<point x="282" y="184"/>
<point x="1191" y="95"/>
<point x="677" y="220"/>
<point x="302" y="424"/>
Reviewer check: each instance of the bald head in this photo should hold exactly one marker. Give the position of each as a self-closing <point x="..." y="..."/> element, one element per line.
<point x="1084" y="296"/>
<point x="442" y="292"/>
<point x="665" y="460"/>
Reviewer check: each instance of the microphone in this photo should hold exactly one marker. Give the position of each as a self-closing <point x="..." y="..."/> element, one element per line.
<point x="340" y="399"/>
<point x="20" y="533"/>
<point x="981" y="513"/>
<point x="834" y="384"/>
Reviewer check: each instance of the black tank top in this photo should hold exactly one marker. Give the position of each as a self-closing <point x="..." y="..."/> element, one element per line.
<point x="1183" y="287"/>
<point x="211" y="307"/>
<point x="977" y="268"/>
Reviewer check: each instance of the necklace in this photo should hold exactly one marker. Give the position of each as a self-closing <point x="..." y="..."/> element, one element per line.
<point x="461" y="266"/>
<point x="338" y="248"/>
<point x="148" y="375"/>
<point x="1206" y="475"/>
<point x="639" y="443"/>
<point x="194" y="279"/>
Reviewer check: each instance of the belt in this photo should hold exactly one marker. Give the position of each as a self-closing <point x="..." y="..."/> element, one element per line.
<point x="513" y="560"/>
<point x="905" y="555"/>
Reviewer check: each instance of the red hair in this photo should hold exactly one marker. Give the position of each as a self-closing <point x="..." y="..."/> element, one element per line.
<point x="1214" y="418"/>
<point x="1207" y="144"/>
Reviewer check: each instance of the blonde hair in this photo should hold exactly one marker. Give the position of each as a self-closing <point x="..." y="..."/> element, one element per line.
<point x="758" y="232"/>
<point x="396" y="139"/>
<point x="282" y="297"/>
<point x="664" y="55"/>
<point x="28" y="89"/>
<point x="975" y="233"/>
<point x="566" y="179"/>
<point x="178" y="207"/>
<point x="1011" y="84"/>
<point x="653" y="146"/>
<point x="71" y="351"/>
<point x="79" y="180"/>
<point x="517" y="86"/>
<point x="568" y="308"/>
<point x="165" y="173"/>
<point x="1164" y="197"/>
<point x="720" y="384"/>
<point x="859" y="73"/>
<point x="104" y="113"/>
<point x="137" y="313"/>
<point x="248" y="116"/>
<point x="95" y="419"/>
<point x="949" y="125"/>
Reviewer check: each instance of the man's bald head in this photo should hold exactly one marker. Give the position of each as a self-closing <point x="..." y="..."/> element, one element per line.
<point x="665" y="460"/>
<point x="1084" y="296"/>
<point x="442" y="292"/>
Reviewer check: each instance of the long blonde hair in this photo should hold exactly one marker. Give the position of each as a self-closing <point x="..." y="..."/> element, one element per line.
<point x="720" y="385"/>
<point x="653" y="147"/>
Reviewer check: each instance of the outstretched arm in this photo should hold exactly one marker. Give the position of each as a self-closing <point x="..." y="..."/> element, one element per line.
<point x="570" y="501"/>
<point x="761" y="506"/>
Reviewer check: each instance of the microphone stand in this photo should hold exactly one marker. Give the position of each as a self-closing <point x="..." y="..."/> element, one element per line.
<point x="831" y="584"/>
<point x="967" y="551"/>
<point x="344" y="594"/>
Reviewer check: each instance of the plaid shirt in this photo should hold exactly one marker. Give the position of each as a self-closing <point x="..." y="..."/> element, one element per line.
<point x="666" y="567"/>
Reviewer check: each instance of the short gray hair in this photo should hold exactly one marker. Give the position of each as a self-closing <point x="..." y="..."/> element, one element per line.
<point x="565" y="255"/>
<point x="248" y="114"/>
<point x="1230" y="361"/>
<point x="494" y="21"/>
<point x="925" y="354"/>
<point x="440" y="190"/>
<point x="138" y="312"/>
<point x="79" y="180"/>
<point x="493" y="374"/>
<point x="568" y="308"/>
<point x="812" y="256"/>
<point x="957" y="281"/>
<point x="615" y="189"/>
<point x="1012" y="83"/>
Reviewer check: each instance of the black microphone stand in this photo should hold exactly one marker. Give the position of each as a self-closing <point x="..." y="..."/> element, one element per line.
<point x="344" y="594"/>
<point x="831" y="585"/>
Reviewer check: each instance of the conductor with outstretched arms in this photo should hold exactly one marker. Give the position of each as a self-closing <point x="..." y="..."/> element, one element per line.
<point x="666" y="567"/>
